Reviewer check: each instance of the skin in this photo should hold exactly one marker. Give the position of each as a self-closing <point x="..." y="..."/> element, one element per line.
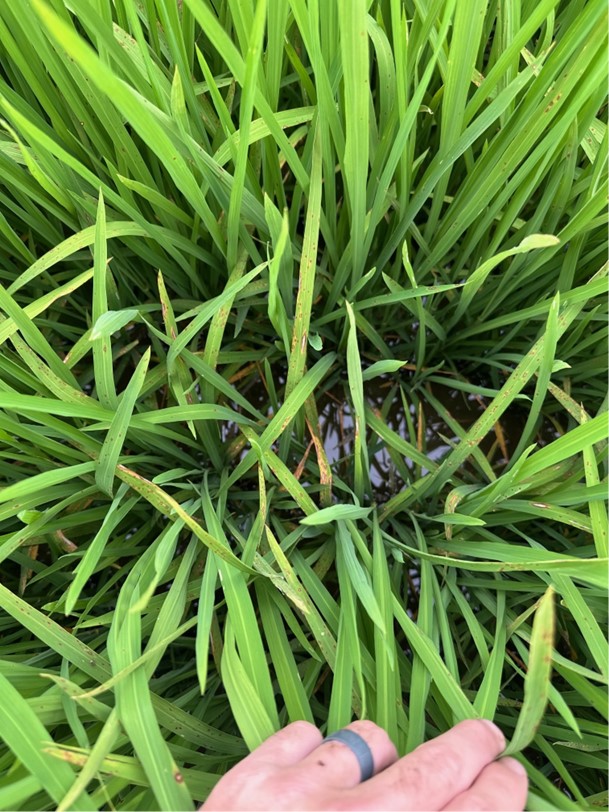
<point x="295" y="770"/>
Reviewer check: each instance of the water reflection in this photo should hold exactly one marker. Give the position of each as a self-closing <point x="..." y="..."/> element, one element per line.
<point x="431" y="419"/>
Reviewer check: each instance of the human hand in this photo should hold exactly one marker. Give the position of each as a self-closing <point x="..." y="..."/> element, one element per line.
<point x="296" y="770"/>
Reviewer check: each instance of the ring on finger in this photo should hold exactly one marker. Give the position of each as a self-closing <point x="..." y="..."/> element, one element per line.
<point x="359" y="747"/>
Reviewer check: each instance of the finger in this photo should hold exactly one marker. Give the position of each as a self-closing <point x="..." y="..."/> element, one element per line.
<point x="430" y="776"/>
<point x="501" y="786"/>
<point x="334" y="765"/>
<point x="246" y="785"/>
<point x="284" y="748"/>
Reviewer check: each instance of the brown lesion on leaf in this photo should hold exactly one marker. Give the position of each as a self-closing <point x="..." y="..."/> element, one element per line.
<point x="302" y="463"/>
<point x="64" y="542"/>
<point x="131" y="473"/>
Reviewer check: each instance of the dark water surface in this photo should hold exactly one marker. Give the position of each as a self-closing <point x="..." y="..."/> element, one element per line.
<point x="430" y="417"/>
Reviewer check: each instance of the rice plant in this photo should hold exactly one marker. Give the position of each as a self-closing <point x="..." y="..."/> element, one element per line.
<point x="303" y="386"/>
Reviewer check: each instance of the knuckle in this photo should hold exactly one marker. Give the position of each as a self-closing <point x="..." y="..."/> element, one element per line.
<point x="452" y="762"/>
<point x="376" y="736"/>
<point x="410" y="781"/>
<point x="477" y="729"/>
<point x="302" y="727"/>
<point x="471" y="727"/>
<point x="440" y="759"/>
<point x="365" y="727"/>
<point x="452" y="765"/>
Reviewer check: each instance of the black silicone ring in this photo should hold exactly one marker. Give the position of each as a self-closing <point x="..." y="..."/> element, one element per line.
<point x="359" y="747"/>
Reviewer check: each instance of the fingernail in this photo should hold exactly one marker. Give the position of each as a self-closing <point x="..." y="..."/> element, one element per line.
<point x="496" y="731"/>
<point x="513" y="765"/>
